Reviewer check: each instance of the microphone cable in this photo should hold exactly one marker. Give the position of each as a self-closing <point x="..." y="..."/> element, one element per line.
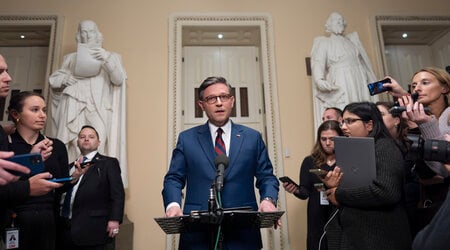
<point x="219" y="201"/>
<point x="325" y="227"/>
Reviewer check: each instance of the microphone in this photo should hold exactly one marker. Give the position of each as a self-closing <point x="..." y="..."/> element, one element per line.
<point x="221" y="163"/>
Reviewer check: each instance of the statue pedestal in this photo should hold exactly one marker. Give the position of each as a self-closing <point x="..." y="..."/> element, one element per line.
<point x="124" y="240"/>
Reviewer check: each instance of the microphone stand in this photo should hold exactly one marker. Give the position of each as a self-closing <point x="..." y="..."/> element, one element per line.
<point x="215" y="217"/>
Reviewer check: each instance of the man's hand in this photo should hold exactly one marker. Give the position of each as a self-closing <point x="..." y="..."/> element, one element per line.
<point x="39" y="185"/>
<point x="174" y="211"/>
<point x="267" y="206"/>
<point x="5" y="176"/>
<point x="112" y="228"/>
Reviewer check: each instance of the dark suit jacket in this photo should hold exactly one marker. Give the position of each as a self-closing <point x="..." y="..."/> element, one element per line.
<point x="192" y="165"/>
<point x="100" y="198"/>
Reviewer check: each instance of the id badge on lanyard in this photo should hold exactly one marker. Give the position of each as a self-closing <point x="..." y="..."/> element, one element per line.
<point x="12" y="235"/>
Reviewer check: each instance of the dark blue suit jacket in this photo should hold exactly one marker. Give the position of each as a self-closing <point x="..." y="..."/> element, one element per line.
<point x="192" y="165"/>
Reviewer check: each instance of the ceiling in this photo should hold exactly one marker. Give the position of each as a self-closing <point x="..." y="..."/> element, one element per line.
<point x="239" y="35"/>
<point x="417" y="34"/>
<point x="34" y="36"/>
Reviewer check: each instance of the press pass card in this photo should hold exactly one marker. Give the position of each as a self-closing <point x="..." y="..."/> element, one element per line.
<point x="12" y="238"/>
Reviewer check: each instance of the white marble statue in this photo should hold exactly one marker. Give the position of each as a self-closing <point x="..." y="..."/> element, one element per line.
<point x="89" y="89"/>
<point x="340" y="69"/>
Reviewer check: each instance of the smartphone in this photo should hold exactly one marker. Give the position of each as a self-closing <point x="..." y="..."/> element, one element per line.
<point x="318" y="171"/>
<point x="319" y="186"/>
<point x="285" y="179"/>
<point x="66" y="179"/>
<point x="377" y="87"/>
<point x="84" y="164"/>
<point x="33" y="161"/>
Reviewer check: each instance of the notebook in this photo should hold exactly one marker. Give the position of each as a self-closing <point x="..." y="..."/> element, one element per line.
<point x="356" y="158"/>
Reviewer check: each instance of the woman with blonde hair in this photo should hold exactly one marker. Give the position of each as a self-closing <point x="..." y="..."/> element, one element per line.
<point x="432" y="87"/>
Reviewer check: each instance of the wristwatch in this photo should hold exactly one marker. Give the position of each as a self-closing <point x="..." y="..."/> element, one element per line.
<point x="270" y="199"/>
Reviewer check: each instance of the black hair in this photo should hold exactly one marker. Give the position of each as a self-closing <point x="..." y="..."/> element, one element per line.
<point x="368" y="111"/>
<point x="89" y="126"/>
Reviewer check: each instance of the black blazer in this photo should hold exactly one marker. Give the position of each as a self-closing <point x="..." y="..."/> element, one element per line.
<point x="100" y="198"/>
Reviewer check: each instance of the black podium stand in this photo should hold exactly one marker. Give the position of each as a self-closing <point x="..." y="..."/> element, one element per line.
<point x="236" y="218"/>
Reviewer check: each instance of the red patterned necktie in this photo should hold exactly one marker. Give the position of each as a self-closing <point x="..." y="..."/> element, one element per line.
<point x="219" y="147"/>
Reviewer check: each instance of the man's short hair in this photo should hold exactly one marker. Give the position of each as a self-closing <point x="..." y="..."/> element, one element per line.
<point x="337" y="110"/>
<point x="210" y="81"/>
<point x="89" y="126"/>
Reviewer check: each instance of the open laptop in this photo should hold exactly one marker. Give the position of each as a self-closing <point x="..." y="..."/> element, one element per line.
<point x="356" y="158"/>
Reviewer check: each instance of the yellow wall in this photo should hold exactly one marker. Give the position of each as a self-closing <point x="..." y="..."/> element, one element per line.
<point x="138" y="30"/>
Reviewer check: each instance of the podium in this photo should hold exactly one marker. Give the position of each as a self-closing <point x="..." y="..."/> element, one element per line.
<point x="236" y="218"/>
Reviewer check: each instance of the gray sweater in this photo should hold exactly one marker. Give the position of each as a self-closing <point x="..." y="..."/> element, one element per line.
<point x="372" y="217"/>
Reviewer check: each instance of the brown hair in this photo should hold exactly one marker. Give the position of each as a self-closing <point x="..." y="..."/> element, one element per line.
<point x="318" y="154"/>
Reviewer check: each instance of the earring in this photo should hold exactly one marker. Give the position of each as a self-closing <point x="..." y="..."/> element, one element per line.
<point x="17" y="120"/>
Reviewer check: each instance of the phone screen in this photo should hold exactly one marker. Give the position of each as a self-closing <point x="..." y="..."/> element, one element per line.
<point x="377" y="87"/>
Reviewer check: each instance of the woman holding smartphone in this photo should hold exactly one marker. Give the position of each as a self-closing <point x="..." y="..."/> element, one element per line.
<point x="432" y="87"/>
<point x="372" y="216"/>
<point x="35" y="217"/>
<point x="322" y="159"/>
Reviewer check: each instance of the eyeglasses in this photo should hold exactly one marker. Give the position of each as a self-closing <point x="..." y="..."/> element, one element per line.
<point x="349" y="121"/>
<point x="213" y="99"/>
<point x="3" y="70"/>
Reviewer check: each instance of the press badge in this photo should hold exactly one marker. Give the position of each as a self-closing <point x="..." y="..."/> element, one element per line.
<point x="12" y="238"/>
<point x="323" y="198"/>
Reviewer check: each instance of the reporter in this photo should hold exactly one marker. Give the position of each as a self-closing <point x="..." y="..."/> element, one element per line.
<point x="432" y="85"/>
<point x="35" y="215"/>
<point x="322" y="157"/>
<point x="372" y="216"/>
<point x="12" y="190"/>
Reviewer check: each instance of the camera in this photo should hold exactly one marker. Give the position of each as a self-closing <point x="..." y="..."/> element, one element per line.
<point x="377" y="87"/>
<point x="429" y="150"/>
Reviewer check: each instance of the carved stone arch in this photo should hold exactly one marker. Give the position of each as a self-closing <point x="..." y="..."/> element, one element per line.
<point x="272" y="239"/>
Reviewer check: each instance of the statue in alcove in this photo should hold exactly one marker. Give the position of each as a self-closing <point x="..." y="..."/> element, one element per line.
<point x="89" y="89"/>
<point x="340" y="68"/>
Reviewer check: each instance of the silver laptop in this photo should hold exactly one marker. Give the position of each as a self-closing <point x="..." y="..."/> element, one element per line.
<point x="356" y="158"/>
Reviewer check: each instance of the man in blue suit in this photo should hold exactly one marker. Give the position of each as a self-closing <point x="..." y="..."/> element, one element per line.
<point x="193" y="166"/>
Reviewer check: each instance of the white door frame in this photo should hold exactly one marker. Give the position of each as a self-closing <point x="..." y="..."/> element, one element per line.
<point x="380" y="21"/>
<point x="55" y="22"/>
<point x="273" y="239"/>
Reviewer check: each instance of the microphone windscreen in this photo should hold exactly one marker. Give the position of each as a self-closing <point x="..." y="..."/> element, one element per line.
<point x="221" y="159"/>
